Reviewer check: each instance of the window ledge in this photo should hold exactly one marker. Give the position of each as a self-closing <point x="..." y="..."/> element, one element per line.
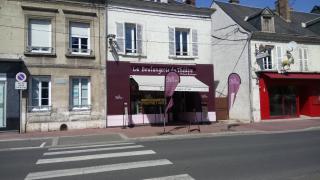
<point x="40" y="112"/>
<point x="39" y="54"/>
<point x="82" y="56"/>
<point x="183" y="57"/>
<point x="133" y="55"/>
<point x="86" y="111"/>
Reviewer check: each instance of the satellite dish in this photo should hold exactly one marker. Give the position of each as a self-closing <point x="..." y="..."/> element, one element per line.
<point x="292" y="45"/>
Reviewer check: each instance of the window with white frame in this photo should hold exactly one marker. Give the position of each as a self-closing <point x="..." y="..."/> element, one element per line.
<point x="80" y="93"/>
<point x="182" y="42"/>
<point x="80" y="38"/>
<point x="129" y="38"/>
<point x="267" y="61"/>
<point x="39" y="36"/>
<point x="303" y="59"/>
<point x="40" y="93"/>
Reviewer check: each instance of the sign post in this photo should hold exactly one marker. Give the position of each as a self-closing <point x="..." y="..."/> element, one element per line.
<point x="171" y="82"/>
<point x="21" y="85"/>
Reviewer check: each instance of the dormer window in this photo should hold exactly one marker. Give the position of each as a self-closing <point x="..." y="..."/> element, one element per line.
<point x="267" y="24"/>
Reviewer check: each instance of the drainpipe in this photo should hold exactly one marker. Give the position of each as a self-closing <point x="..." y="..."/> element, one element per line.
<point x="250" y="78"/>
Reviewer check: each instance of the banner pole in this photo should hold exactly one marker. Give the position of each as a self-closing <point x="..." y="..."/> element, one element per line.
<point x="165" y="114"/>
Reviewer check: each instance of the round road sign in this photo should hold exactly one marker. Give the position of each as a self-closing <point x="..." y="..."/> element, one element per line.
<point x="21" y="77"/>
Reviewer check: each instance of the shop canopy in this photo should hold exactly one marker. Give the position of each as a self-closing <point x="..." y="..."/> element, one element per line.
<point x="156" y="83"/>
<point x="292" y="76"/>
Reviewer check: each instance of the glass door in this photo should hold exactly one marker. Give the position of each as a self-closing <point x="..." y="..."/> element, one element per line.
<point x="2" y="105"/>
<point x="283" y="101"/>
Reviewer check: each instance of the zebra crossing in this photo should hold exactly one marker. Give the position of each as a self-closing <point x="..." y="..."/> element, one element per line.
<point x="76" y="156"/>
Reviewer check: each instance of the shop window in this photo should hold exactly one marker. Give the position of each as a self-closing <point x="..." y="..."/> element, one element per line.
<point x="79" y="38"/>
<point x="39" y="36"/>
<point x="147" y="102"/>
<point x="80" y="93"/>
<point x="40" y="93"/>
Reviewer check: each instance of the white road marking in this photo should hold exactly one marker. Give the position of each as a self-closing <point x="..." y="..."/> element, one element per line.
<point x="89" y="146"/>
<point x="91" y="150"/>
<point x="177" y="177"/>
<point x="96" y="169"/>
<point x="43" y="144"/>
<point x="95" y="156"/>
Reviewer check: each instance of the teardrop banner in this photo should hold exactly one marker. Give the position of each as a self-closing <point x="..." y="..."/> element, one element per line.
<point x="234" y="82"/>
<point x="172" y="80"/>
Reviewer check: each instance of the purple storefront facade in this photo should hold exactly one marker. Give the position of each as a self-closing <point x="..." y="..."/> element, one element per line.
<point x="130" y="102"/>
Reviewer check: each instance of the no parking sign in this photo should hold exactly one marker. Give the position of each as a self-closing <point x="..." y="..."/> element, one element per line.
<point x="20" y="83"/>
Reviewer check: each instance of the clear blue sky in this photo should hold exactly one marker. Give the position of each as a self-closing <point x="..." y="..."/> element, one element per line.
<point x="298" y="5"/>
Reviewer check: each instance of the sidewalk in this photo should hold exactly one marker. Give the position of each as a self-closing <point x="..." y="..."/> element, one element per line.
<point x="156" y="131"/>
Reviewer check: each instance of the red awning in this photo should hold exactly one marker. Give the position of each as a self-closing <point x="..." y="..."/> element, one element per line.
<point x="292" y="76"/>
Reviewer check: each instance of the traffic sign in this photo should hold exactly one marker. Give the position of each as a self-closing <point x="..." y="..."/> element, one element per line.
<point x="21" y="85"/>
<point x="21" y="77"/>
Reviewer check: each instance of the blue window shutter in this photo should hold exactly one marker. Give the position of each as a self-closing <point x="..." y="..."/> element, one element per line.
<point x="120" y="37"/>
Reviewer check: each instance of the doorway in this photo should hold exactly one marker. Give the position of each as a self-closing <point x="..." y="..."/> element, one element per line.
<point x="283" y="101"/>
<point x="2" y="104"/>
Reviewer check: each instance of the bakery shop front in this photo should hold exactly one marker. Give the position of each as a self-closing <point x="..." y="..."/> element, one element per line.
<point x="135" y="94"/>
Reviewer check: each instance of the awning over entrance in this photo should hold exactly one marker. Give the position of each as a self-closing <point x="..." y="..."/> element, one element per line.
<point x="156" y="83"/>
<point x="292" y="76"/>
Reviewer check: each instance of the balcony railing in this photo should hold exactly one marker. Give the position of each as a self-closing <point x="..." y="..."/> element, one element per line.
<point x="38" y="49"/>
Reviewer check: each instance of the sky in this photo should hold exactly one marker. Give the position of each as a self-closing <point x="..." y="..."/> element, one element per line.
<point x="298" y="5"/>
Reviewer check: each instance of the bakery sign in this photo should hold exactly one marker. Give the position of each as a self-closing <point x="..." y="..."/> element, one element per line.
<point x="163" y="70"/>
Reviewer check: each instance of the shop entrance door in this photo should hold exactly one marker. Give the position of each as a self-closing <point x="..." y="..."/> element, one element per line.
<point x="2" y="105"/>
<point x="283" y="101"/>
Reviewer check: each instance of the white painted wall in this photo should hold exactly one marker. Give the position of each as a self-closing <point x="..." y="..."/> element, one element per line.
<point x="156" y="37"/>
<point x="313" y="66"/>
<point x="231" y="56"/>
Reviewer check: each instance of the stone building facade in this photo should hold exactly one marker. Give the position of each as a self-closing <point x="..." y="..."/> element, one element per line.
<point x="61" y="45"/>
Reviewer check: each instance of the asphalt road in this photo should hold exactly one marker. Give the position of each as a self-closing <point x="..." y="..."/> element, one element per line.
<point x="292" y="156"/>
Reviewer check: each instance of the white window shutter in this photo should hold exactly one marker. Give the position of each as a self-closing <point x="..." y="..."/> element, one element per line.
<point x="139" y="39"/>
<point x="40" y="33"/>
<point x="301" y="59"/>
<point x="279" y="56"/>
<point x="172" y="47"/>
<point x="120" y="37"/>
<point x="195" y="45"/>
<point x="305" y="58"/>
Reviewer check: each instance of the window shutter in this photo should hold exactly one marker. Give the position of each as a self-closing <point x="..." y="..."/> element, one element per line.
<point x="171" y="42"/>
<point x="81" y="30"/>
<point x="279" y="57"/>
<point x="40" y="33"/>
<point x="194" y="42"/>
<point x="139" y="39"/>
<point x="305" y="59"/>
<point x="120" y="37"/>
<point x="301" y="59"/>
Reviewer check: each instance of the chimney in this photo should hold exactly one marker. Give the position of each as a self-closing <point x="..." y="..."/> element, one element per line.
<point x="283" y="9"/>
<point x="191" y="2"/>
<point x="234" y="1"/>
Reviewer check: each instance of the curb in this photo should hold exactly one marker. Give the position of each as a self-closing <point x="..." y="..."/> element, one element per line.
<point x="166" y="137"/>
